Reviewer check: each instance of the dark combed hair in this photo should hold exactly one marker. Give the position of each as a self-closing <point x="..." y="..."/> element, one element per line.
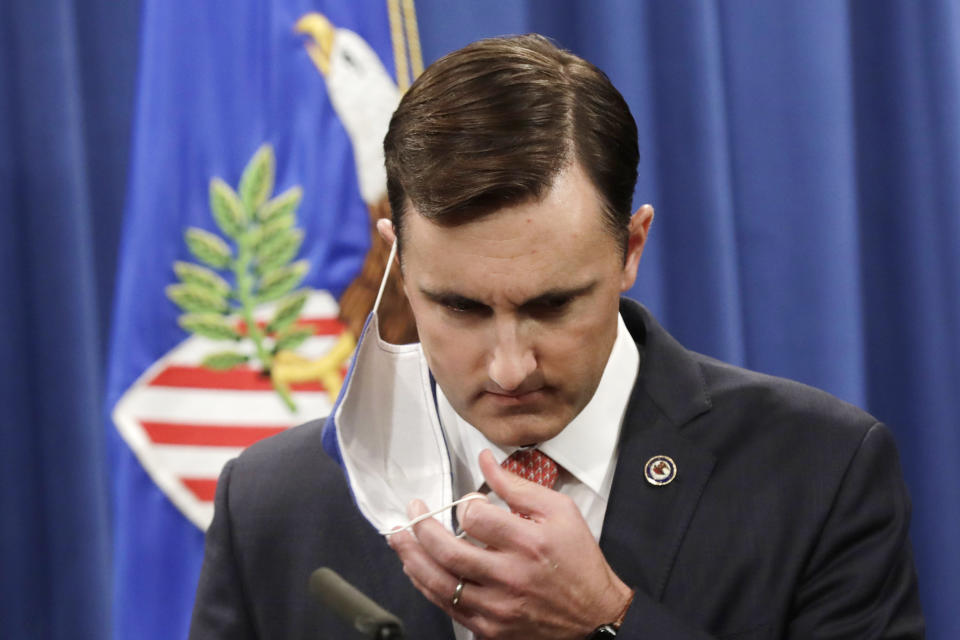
<point x="493" y="124"/>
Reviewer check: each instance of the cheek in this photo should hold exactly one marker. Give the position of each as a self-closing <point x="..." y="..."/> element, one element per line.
<point x="579" y="351"/>
<point x="567" y="356"/>
<point x="450" y="353"/>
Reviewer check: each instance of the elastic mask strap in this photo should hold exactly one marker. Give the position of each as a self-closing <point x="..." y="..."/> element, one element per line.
<point x="386" y="275"/>
<point x="421" y="518"/>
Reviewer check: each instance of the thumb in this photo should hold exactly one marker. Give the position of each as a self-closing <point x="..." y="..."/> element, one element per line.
<point x="519" y="493"/>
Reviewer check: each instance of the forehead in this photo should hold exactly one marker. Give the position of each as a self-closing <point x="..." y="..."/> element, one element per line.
<point x="518" y="250"/>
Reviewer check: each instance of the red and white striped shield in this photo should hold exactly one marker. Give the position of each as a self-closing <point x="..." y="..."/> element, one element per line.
<point x="184" y="422"/>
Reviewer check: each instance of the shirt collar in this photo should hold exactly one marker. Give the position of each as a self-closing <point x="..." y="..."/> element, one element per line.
<point x="587" y="447"/>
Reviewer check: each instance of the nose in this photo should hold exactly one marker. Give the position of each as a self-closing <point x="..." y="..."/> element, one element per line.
<point x="513" y="360"/>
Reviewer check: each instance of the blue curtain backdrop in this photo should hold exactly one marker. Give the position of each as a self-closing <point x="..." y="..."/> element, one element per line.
<point x="803" y="158"/>
<point x="804" y="162"/>
<point x="67" y="74"/>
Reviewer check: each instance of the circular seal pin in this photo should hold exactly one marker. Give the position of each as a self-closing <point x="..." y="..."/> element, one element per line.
<point x="660" y="470"/>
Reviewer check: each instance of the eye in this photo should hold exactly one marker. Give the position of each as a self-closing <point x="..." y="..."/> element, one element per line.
<point x="461" y="306"/>
<point x="550" y="307"/>
<point x="552" y="304"/>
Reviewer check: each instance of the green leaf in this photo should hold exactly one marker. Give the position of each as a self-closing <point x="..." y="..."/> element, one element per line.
<point x="191" y="297"/>
<point x="256" y="183"/>
<point x="292" y="338"/>
<point x="272" y="229"/>
<point x="279" y="251"/>
<point x="287" y="312"/>
<point x="285" y="203"/>
<point x="271" y="232"/>
<point x="281" y="281"/>
<point x="223" y="360"/>
<point x="201" y="276"/>
<point x="252" y="237"/>
<point x="209" y="325"/>
<point x="208" y="248"/>
<point x="228" y="211"/>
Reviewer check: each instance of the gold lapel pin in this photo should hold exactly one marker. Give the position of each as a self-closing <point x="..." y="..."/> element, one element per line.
<point x="660" y="470"/>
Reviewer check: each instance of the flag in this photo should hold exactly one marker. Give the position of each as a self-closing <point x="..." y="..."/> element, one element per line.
<point x="246" y="261"/>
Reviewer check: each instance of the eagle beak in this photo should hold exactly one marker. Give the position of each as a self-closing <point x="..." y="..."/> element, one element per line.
<point x="321" y="32"/>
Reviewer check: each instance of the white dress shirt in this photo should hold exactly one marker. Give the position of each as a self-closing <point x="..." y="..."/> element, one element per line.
<point x="586" y="449"/>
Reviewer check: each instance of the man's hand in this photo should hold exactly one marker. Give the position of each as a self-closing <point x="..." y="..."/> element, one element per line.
<point x="542" y="577"/>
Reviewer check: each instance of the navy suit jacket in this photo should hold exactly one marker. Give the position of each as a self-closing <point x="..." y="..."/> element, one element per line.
<point x="788" y="518"/>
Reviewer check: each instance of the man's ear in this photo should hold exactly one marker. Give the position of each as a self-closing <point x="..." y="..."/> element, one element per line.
<point x="385" y="229"/>
<point x="638" y="228"/>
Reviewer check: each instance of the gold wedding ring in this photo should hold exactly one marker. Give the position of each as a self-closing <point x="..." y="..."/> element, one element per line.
<point x="457" y="593"/>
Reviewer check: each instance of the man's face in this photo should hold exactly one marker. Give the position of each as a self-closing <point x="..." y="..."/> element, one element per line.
<point x="517" y="311"/>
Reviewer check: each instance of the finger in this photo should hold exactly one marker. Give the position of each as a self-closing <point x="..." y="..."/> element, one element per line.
<point x="497" y="528"/>
<point x="472" y="605"/>
<point x="472" y="610"/>
<point x="430" y="578"/>
<point x="416" y="508"/>
<point x="455" y="555"/>
<point x="463" y="612"/>
<point x="522" y="495"/>
<point x="464" y="507"/>
<point x="398" y="537"/>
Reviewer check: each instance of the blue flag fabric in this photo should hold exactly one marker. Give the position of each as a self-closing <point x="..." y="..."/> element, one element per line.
<point x="218" y="80"/>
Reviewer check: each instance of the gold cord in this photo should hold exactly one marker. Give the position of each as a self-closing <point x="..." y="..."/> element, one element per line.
<point x="405" y="36"/>
<point x="399" y="46"/>
<point x="413" y="37"/>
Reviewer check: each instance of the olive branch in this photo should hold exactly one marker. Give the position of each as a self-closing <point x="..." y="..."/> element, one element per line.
<point x="261" y="241"/>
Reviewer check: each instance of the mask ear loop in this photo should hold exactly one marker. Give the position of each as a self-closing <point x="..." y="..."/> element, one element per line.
<point x="386" y="276"/>
<point x="423" y="517"/>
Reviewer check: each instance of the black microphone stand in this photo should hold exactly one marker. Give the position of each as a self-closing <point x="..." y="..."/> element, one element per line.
<point x="353" y="607"/>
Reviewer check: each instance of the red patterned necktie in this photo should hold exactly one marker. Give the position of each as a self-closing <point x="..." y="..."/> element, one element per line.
<point x="534" y="465"/>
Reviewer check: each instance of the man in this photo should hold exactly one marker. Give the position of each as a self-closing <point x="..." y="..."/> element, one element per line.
<point x="693" y="500"/>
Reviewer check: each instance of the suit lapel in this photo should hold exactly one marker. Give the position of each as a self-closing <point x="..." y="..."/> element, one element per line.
<point x="645" y="524"/>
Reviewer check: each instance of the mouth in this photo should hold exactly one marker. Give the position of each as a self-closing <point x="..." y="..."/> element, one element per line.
<point x="513" y="399"/>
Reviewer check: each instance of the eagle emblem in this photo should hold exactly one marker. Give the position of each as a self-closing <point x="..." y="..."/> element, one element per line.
<point x="660" y="470"/>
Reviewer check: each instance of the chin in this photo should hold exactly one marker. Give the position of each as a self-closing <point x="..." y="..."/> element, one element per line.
<point x="520" y="430"/>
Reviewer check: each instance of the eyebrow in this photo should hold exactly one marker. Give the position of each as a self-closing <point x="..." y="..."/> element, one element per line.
<point x="452" y="297"/>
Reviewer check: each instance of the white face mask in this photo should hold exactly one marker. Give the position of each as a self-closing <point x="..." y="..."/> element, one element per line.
<point x="385" y="431"/>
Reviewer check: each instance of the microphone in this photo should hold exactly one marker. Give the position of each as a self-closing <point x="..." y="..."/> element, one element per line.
<point x="353" y="607"/>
